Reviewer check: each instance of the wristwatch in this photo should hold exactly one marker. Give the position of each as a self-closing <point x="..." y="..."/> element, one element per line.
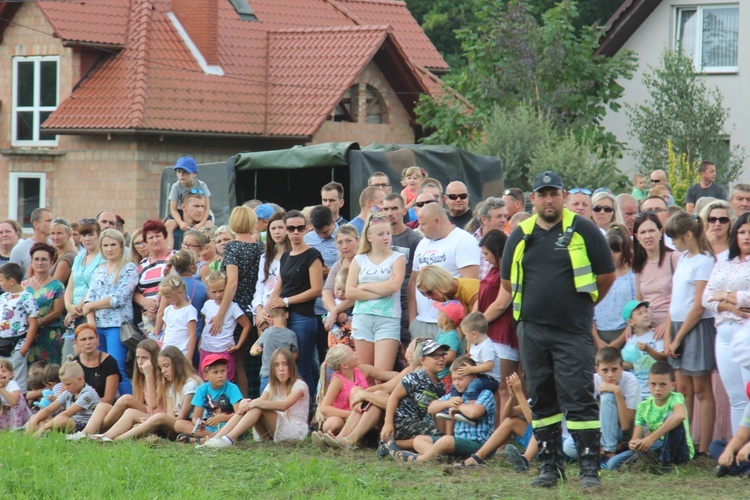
<point x="286" y="301"/>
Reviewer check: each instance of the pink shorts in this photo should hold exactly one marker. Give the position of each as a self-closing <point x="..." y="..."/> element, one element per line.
<point x="230" y="365"/>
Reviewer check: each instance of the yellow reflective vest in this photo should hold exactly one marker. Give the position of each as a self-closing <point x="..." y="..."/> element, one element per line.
<point x="584" y="278"/>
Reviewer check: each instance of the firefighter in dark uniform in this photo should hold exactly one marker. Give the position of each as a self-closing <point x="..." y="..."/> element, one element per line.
<point x="557" y="266"/>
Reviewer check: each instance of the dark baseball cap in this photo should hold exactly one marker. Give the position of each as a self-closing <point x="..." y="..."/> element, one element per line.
<point x="547" y="179"/>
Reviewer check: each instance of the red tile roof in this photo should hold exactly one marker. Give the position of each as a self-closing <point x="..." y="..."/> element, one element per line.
<point x="282" y="74"/>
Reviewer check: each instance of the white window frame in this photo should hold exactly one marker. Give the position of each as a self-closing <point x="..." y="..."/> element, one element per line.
<point x="698" y="57"/>
<point x="13" y="193"/>
<point x="36" y="108"/>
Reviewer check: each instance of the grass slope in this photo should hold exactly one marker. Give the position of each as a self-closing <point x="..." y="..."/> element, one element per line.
<point x="55" y="468"/>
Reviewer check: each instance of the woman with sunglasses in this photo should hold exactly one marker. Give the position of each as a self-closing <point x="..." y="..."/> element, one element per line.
<point x="347" y="241"/>
<point x="653" y="265"/>
<point x="48" y="294"/>
<point x="299" y="283"/>
<point x="374" y="283"/>
<point x="83" y="269"/>
<point x="604" y="208"/>
<point x="718" y="217"/>
<point x="240" y="266"/>
<point x="727" y="295"/>
<point x="277" y="242"/>
<point x="60" y="235"/>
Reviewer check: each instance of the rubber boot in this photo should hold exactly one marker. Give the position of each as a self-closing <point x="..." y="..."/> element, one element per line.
<point x="551" y="468"/>
<point x="587" y="445"/>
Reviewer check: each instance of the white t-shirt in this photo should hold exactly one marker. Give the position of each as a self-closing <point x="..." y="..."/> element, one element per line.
<point x="483" y="352"/>
<point x="223" y="340"/>
<point x="189" y="388"/>
<point x="11" y="386"/>
<point x="631" y="389"/>
<point x="457" y="250"/>
<point x="176" y="331"/>
<point x="688" y="271"/>
<point x="369" y="272"/>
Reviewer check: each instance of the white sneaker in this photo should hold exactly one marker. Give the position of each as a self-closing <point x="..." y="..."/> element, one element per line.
<point x="218" y="443"/>
<point x="76" y="436"/>
<point x="444" y="415"/>
<point x="204" y="443"/>
<point x="464" y="419"/>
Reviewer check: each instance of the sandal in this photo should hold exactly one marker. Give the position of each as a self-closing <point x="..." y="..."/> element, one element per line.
<point x="318" y="440"/>
<point x="406" y="456"/>
<point x="464" y="465"/>
<point x="392" y="448"/>
<point x="188" y="439"/>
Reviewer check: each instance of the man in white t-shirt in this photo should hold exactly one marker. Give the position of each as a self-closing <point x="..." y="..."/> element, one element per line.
<point x="451" y="248"/>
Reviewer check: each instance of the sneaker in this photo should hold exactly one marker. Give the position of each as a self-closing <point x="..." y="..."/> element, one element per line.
<point x="444" y="415"/>
<point x="222" y="442"/>
<point x="463" y="418"/>
<point x="96" y="436"/>
<point x="516" y="459"/>
<point x="77" y="436"/>
<point x="203" y="444"/>
<point x="722" y="471"/>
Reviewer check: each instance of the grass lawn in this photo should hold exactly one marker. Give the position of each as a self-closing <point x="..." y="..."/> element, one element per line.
<point x="52" y="467"/>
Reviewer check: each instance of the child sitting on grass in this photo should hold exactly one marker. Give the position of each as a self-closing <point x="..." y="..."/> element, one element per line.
<point x="276" y="336"/>
<point x="516" y="424"/>
<point x="406" y="415"/>
<point x="642" y="349"/>
<point x="619" y="395"/>
<point x="734" y="457"/>
<point x="450" y="316"/>
<point x="218" y="399"/>
<point x="279" y="414"/>
<point x="78" y="401"/>
<point x="665" y="416"/>
<point x="14" y="412"/>
<point x="466" y="439"/>
<point x="42" y="376"/>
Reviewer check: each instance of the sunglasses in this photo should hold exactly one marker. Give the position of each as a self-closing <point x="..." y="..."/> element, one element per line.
<point x="603" y="208"/>
<point x="420" y="204"/>
<point x="375" y="209"/>
<point x="508" y="192"/>
<point x="87" y="221"/>
<point x="720" y="220"/>
<point x="655" y="181"/>
<point x="579" y="190"/>
<point x="455" y="197"/>
<point x="196" y="191"/>
<point x="62" y="222"/>
<point x="298" y="229"/>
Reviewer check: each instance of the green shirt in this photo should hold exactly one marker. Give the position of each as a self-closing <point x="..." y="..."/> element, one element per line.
<point x="652" y="416"/>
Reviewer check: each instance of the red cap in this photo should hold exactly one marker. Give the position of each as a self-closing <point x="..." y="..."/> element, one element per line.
<point x="213" y="358"/>
<point x="747" y="390"/>
<point x="453" y="309"/>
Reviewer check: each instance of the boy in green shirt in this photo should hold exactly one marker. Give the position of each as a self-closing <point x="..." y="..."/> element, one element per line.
<point x="665" y="416"/>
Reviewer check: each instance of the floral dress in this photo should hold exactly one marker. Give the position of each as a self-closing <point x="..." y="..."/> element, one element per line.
<point x="48" y="346"/>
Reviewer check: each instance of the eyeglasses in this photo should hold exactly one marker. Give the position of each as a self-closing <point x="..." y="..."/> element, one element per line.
<point x="139" y="243"/>
<point x="189" y="246"/>
<point x="298" y="229"/>
<point x="455" y="197"/>
<point x="580" y="190"/>
<point x="420" y="204"/>
<point x="603" y="208"/>
<point x="87" y="221"/>
<point x="196" y="191"/>
<point x="655" y="181"/>
<point x="720" y="220"/>
<point x="381" y="185"/>
<point x="62" y="222"/>
<point x="437" y="355"/>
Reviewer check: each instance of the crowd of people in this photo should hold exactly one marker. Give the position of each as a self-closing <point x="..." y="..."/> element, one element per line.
<point x="569" y="325"/>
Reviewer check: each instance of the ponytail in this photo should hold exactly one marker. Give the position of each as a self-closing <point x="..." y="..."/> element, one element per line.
<point x="681" y="223"/>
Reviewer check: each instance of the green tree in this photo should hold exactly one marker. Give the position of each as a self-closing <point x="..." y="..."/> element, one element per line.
<point x="688" y="114"/>
<point x="512" y="58"/>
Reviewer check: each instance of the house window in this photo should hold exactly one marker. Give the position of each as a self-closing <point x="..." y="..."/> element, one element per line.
<point x="35" y="97"/>
<point x="27" y="193"/>
<point x="708" y="35"/>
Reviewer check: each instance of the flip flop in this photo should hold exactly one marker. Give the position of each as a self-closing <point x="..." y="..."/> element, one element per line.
<point x="318" y="441"/>
<point x="406" y="456"/>
<point x="332" y="442"/>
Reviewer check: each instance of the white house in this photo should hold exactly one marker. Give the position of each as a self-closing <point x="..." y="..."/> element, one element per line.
<point x="715" y="33"/>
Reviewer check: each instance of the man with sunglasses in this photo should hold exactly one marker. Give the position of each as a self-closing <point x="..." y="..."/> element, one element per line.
<point x="515" y="202"/>
<point x="557" y="266"/>
<point x="425" y="198"/>
<point x="659" y="178"/>
<point x="41" y="222"/>
<point x="457" y="204"/>
<point x="579" y="201"/>
<point x="706" y="187"/>
<point x="447" y="246"/>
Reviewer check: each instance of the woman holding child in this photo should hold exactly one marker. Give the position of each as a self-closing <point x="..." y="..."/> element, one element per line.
<point x="437" y="284"/>
<point x="374" y="283"/>
<point x="48" y="294"/>
<point x="151" y="272"/>
<point x="109" y="302"/>
<point x="347" y="241"/>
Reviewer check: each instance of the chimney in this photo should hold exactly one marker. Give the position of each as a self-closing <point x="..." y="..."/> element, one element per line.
<point x="200" y="18"/>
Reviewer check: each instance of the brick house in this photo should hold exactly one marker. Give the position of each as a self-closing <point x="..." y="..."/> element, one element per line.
<point x="98" y="96"/>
